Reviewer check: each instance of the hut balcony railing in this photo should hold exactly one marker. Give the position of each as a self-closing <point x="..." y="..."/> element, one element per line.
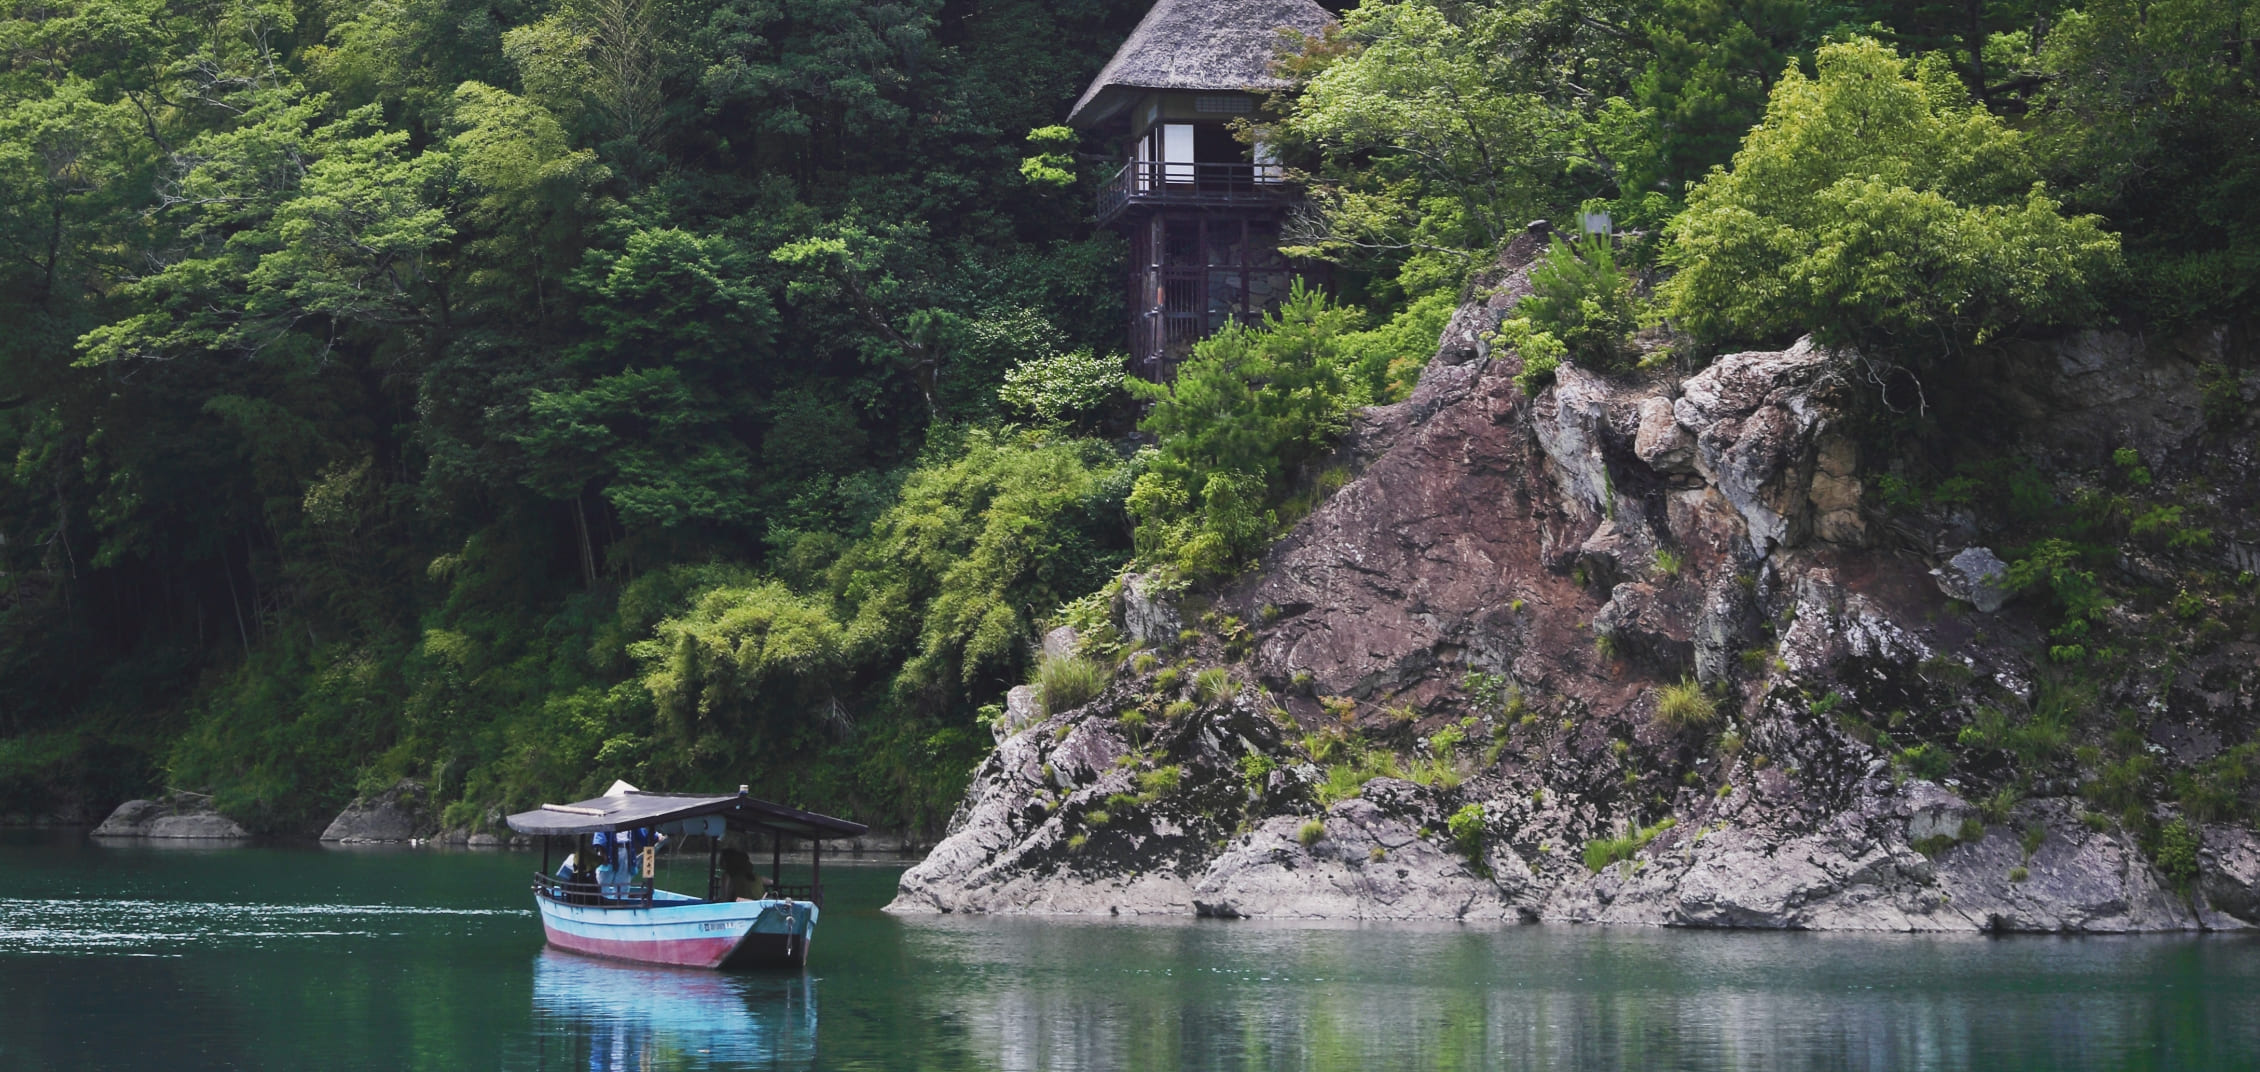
<point x="1161" y="183"/>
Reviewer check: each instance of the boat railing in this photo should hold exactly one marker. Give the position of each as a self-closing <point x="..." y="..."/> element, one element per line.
<point x="590" y="894"/>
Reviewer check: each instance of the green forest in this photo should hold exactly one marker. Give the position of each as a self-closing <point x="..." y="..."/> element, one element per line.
<point x="515" y="395"/>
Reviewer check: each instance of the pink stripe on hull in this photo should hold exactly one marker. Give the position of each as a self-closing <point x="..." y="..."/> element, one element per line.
<point x="684" y="952"/>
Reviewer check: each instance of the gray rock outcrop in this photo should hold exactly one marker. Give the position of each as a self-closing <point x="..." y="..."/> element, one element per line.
<point x="1977" y="577"/>
<point x="402" y="812"/>
<point x="183" y="816"/>
<point x="1022" y="709"/>
<point x="1459" y="704"/>
<point x="1149" y="613"/>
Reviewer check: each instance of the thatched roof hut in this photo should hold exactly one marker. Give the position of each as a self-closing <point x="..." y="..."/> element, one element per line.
<point x="1198" y="45"/>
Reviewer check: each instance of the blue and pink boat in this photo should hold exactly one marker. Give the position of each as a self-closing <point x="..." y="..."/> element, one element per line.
<point x="605" y="900"/>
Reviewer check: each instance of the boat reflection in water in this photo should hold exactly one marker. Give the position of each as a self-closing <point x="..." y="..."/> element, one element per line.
<point x="605" y="1016"/>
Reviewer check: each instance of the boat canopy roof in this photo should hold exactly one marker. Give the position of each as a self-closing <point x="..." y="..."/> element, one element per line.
<point x="625" y="807"/>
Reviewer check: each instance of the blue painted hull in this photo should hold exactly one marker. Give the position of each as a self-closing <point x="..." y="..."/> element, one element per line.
<point x="685" y="932"/>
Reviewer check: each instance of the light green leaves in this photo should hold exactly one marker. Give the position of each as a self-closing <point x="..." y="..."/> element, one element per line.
<point x="293" y="230"/>
<point x="1054" y="162"/>
<point x="1245" y="414"/>
<point x="1876" y="205"/>
<point x="1054" y="388"/>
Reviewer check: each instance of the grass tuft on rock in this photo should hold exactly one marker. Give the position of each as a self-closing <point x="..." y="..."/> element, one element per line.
<point x="1685" y="704"/>
<point x="1063" y="684"/>
<point x="1601" y="852"/>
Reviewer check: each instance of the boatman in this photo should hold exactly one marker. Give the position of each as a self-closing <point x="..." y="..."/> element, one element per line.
<point x="745" y="883"/>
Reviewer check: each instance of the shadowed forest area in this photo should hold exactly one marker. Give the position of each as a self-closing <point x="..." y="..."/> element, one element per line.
<point x="515" y="396"/>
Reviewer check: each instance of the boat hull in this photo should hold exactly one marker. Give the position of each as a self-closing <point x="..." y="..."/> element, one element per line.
<point x="686" y="933"/>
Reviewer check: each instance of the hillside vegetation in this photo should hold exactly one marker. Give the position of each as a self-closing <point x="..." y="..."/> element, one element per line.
<point x="518" y="396"/>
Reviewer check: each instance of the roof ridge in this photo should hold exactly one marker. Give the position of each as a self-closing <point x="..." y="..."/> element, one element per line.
<point x="1198" y="45"/>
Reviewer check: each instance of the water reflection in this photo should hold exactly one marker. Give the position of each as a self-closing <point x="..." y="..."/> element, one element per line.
<point x="608" y="1017"/>
<point x="1060" y="995"/>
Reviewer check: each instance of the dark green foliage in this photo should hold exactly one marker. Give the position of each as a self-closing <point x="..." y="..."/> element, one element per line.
<point x="1926" y="760"/>
<point x="1714" y="61"/>
<point x="1468" y="827"/>
<point x="2220" y="788"/>
<point x="2147" y="114"/>
<point x="378" y="377"/>
<point x="2177" y="853"/>
<point x="517" y="398"/>
<point x="1580" y="297"/>
<point x="1247" y="415"/>
<point x="2052" y="567"/>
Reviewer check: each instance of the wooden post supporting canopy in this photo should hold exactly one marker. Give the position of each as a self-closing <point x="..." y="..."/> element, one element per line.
<point x="713" y="853"/>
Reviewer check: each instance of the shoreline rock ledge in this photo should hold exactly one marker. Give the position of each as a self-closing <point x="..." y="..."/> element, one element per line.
<point x="183" y="816"/>
<point x="400" y="813"/>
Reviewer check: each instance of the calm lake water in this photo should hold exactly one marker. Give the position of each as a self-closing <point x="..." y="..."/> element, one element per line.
<point x="304" y="958"/>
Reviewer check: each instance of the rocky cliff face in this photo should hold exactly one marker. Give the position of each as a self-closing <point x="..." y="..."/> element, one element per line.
<point x="1649" y="650"/>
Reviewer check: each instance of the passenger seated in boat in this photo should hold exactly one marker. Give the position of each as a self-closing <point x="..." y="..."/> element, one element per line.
<point x="744" y="883"/>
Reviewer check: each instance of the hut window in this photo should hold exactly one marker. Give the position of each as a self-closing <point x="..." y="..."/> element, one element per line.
<point x="1177" y="152"/>
<point x="1223" y="104"/>
<point x="1267" y="163"/>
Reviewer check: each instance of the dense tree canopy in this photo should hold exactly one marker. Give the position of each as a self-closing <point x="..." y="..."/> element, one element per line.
<point x="518" y="395"/>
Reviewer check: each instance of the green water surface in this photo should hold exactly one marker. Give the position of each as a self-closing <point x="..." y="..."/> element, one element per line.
<point x="141" y="957"/>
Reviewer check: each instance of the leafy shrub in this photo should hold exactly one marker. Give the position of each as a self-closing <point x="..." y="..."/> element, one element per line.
<point x="1582" y="299"/>
<point x="1685" y="704"/>
<point x="2216" y="788"/>
<point x="1058" y="388"/>
<point x="1467" y="827"/>
<point x="1383" y="363"/>
<point x="739" y="649"/>
<point x="1540" y="351"/>
<point x="1876" y="204"/>
<point x="1488" y="692"/>
<point x="1250" y="409"/>
<point x="2177" y="852"/>
<point x="1069" y="682"/>
<point x="1926" y="761"/>
<point x="988" y="533"/>
<point x="2053" y="565"/>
